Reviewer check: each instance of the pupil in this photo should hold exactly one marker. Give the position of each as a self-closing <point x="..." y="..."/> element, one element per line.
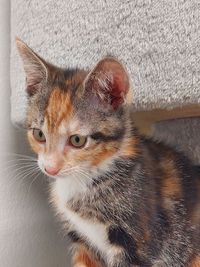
<point x="40" y="134"/>
<point x="77" y="139"/>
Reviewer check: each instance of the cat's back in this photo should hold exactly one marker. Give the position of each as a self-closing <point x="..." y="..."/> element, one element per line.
<point x="174" y="173"/>
<point x="177" y="180"/>
<point x="176" y="183"/>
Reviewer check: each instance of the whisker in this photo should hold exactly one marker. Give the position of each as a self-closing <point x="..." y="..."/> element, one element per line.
<point x="19" y="155"/>
<point x="76" y="170"/>
<point x="17" y="171"/>
<point x="34" y="179"/>
<point x="18" y="179"/>
<point x="68" y="169"/>
<point x="22" y="175"/>
<point x="20" y="167"/>
<point x="20" y="161"/>
<point x="22" y="172"/>
<point x="85" y="175"/>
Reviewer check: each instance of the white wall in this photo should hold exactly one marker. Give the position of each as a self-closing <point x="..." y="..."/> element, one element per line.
<point x="28" y="234"/>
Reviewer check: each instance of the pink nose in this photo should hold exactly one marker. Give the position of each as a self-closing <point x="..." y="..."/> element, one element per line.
<point x="52" y="170"/>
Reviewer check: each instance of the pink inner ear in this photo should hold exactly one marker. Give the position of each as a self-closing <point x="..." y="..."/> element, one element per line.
<point x="110" y="83"/>
<point x="118" y="90"/>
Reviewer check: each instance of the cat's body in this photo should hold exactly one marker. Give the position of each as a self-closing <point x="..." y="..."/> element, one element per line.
<point x="148" y="207"/>
<point x="125" y="200"/>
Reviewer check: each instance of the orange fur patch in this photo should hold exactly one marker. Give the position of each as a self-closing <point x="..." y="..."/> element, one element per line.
<point x="129" y="148"/>
<point x="195" y="262"/>
<point x="171" y="184"/>
<point x="59" y="109"/>
<point x="195" y="215"/>
<point x="102" y="154"/>
<point x="97" y="153"/>
<point x="83" y="258"/>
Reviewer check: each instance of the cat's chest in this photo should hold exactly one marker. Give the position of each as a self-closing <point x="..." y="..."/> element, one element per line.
<point x="95" y="233"/>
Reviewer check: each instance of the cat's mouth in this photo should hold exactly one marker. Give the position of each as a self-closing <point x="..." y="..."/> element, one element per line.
<point x="56" y="173"/>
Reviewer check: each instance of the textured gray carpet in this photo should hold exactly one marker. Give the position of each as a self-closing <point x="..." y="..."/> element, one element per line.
<point x="157" y="39"/>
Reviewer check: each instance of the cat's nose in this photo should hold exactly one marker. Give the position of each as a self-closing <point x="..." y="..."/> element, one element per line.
<point x="52" y="170"/>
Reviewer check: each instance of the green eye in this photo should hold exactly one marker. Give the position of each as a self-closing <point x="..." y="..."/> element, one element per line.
<point x="77" y="140"/>
<point x="39" y="136"/>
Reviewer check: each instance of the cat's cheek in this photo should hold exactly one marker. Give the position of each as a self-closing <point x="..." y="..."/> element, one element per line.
<point x="36" y="147"/>
<point x="41" y="162"/>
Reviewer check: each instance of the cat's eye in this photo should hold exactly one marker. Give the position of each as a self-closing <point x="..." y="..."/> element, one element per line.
<point x="39" y="135"/>
<point x="77" y="140"/>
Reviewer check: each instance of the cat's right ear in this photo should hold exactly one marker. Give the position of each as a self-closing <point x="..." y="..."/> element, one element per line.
<point x="35" y="67"/>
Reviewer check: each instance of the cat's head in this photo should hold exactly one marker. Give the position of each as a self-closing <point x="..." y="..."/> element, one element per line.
<point x="76" y="119"/>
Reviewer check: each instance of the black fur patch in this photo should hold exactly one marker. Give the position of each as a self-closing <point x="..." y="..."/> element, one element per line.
<point x="69" y="73"/>
<point x="119" y="237"/>
<point x="163" y="219"/>
<point x="98" y="136"/>
<point x="74" y="237"/>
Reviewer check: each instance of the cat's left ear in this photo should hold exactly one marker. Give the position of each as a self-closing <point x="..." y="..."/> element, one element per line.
<point x="36" y="68"/>
<point x="109" y="82"/>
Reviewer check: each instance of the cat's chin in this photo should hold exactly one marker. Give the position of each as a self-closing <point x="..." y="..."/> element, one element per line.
<point x="56" y="177"/>
<point x="59" y="176"/>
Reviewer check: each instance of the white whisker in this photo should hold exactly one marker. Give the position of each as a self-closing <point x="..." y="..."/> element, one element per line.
<point x="34" y="179"/>
<point x="23" y="175"/>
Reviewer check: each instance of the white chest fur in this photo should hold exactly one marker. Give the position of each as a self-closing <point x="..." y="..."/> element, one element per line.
<point x="95" y="233"/>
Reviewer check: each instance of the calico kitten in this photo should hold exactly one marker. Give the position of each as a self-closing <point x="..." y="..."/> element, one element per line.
<point x="125" y="200"/>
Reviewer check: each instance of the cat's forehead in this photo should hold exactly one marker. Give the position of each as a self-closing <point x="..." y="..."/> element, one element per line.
<point x="61" y="114"/>
<point x="55" y="101"/>
<point x="59" y="110"/>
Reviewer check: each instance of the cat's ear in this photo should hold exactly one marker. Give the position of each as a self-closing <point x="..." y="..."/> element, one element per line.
<point x="109" y="82"/>
<point x="35" y="67"/>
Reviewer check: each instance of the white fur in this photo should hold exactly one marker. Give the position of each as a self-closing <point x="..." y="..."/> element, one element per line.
<point x="94" y="232"/>
<point x="67" y="188"/>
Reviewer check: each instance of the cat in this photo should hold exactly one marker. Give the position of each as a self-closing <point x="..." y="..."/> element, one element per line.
<point x="125" y="200"/>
